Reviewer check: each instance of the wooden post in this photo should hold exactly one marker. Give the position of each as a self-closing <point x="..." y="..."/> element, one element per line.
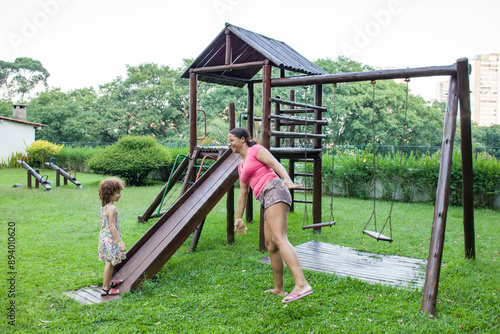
<point x="467" y="172"/>
<point x="429" y="298"/>
<point x="230" y="192"/>
<point x="65" y="180"/>
<point x="250" y="127"/>
<point x="37" y="182"/>
<point x="193" y="96"/>
<point x="317" y="178"/>
<point x="266" y="111"/>
<point x="228" y="47"/>
<point x="277" y="124"/>
<point x="30" y="184"/>
<point x="291" y="162"/>
<point x="58" y="178"/>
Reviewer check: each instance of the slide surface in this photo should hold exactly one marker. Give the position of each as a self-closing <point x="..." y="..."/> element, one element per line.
<point x="164" y="238"/>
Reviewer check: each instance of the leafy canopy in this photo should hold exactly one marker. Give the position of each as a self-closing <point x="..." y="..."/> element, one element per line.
<point x="19" y="78"/>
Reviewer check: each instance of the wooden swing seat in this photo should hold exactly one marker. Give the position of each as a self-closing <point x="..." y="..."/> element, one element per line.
<point x="376" y="235"/>
<point x="319" y="225"/>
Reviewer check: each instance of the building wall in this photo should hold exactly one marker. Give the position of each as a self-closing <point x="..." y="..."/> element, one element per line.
<point x="14" y="137"/>
<point x="485" y="83"/>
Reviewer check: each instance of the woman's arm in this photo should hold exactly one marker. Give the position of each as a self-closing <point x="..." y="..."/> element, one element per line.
<point x="239" y="224"/>
<point x="267" y="158"/>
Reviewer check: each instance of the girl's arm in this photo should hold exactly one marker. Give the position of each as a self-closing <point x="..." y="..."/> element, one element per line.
<point x="267" y="158"/>
<point x="111" y="213"/>
<point x="239" y="224"/>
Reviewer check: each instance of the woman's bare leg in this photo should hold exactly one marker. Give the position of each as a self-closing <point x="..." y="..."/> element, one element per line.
<point x="277" y="223"/>
<point x="276" y="261"/>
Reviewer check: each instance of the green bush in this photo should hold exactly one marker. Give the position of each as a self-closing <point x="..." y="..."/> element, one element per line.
<point x="353" y="174"/>
<point x="41" y="151"/>
<point x="133" y="158"/>
<point x="75" y="158"/>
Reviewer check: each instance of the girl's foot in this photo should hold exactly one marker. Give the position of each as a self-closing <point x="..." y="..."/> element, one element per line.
<point x="109" y="292"/>
<point x="116" y="282"/>
<point x="277" y="292"/>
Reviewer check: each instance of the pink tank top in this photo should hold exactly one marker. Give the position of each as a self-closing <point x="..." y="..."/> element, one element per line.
<point x="254" y="172"/>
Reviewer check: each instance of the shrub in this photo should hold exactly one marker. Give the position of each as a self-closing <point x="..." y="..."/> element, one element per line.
<point x="353" y="175"/>
<point x="42" y="150"/>
<point x="11" y="161"/>
<point x="75" y="158"/>
<point x="132" y="158"/>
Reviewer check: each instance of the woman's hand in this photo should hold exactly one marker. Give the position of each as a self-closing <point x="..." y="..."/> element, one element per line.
<point x="121" y="246"/>
<point x="290" y="185"/>
<point x="240" y="227"/>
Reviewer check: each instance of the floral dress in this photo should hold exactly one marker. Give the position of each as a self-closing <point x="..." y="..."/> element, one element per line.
<point x="108" y="247"/>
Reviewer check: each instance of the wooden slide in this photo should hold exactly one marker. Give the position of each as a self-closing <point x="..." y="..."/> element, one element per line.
<point x="165" y="237"/>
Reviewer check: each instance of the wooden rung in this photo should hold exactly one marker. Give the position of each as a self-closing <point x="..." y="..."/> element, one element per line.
<point x="303" y="189"/>
<point x="298" y="120"/>
<point x="304" y="174"/>
<point x="318" y="225"/>
<point x="304" y="135"/>
<point x="296" y="111"/>
<point x="297" y="104"/>
<point x="301" y="201"/>
<point x="376" y="235"/>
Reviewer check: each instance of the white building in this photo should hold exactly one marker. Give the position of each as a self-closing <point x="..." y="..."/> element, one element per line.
<point x="16" y="133"/>
<point x="484" y="83"/>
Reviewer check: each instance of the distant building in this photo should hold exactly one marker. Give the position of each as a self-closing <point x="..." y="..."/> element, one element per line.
<point x="442" y="90"/>
<point x="16" y="133"/>
<point x="484" y="83"/>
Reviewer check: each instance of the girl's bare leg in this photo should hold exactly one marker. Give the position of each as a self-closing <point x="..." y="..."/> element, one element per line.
<point x="108" y="274"/>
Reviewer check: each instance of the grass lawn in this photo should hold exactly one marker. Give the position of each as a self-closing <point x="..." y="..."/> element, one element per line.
<point x="219" y="288"/>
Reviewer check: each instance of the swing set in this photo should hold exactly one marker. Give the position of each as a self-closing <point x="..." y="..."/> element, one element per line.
<point x="237" y="55"/>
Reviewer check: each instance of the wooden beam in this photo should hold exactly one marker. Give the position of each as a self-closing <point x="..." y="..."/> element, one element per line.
<point x="230" y="67"/>
<point x="250" y="127"/>
<point x="467" y="172"/>
<point x="429" y="298"/>
<point x="266" y="128"/>
<point x="228" y="47"/>
<point x="230" y="192"/>
<point x="192" y="111"/>
<point x="365" y="76"/>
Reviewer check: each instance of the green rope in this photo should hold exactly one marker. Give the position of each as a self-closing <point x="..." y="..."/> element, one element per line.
<point x="170" y="178"/>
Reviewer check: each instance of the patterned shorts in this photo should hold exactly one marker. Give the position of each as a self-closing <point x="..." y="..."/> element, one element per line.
<point x="274" y="192"/>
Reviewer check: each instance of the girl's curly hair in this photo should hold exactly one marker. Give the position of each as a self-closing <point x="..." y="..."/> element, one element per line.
<point x="108" y="188"/>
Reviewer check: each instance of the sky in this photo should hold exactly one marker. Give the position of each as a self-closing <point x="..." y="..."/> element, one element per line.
<point x="85" y="43"/>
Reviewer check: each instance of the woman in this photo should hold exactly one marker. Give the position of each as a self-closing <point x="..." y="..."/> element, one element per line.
<point x="261" y="171"/>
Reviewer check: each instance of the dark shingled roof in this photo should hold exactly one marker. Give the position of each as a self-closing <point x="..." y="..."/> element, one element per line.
<point x="248" y="46"/>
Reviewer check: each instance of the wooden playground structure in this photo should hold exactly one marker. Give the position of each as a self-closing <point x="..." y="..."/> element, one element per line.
<point x="234" y="58"/>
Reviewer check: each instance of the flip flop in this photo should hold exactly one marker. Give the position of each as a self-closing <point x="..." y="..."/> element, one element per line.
<point x="116" y="282"/>
<point x="109" y="292"/>
<point x="295" y="296"/>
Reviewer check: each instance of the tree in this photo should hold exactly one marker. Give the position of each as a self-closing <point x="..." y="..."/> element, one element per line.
<point x="351" y="113"/>
<point x="19" y="78"/>
<point x="151" y="100"/>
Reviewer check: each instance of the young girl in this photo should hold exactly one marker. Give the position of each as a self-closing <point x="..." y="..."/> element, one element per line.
<point x="111" y="246"/>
